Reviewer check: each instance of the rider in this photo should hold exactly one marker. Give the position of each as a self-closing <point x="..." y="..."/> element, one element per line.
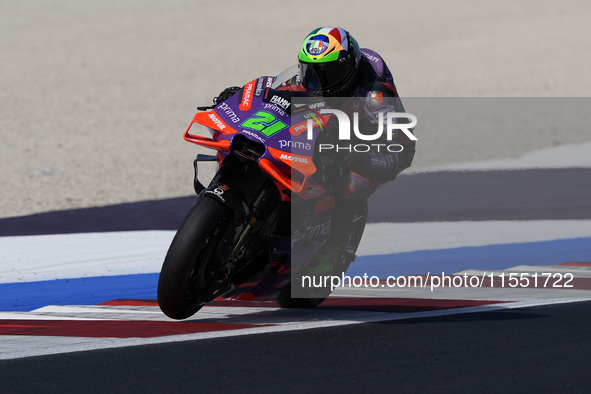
<point x="346" y="70"/>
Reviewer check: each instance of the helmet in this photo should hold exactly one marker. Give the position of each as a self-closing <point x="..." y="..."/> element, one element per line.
<point x="329" y="56"/>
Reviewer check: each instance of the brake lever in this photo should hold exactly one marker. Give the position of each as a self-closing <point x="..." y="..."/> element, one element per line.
<point x="206" y="108"/>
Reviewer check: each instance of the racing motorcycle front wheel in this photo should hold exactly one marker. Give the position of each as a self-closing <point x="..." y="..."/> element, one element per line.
<point x="191" y="275"/>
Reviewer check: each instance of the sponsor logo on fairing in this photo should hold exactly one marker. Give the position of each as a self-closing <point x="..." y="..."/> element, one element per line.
<point x="259" y="89"/>
<point x="318" y="230"/>
<point x="220" y="189"/>
<point x="254" y="135"/>
<point x="295" y="145"/>
<point x="294" y="159"/>
<point x="317" y="105"/>
<point x="280" y="101"/>
<point x="275" y="108"/>
<point x="247" y="96"/>
<point x="216" y="121"/>
<point x="303" y="127"/>
<point x="228" y="111"/>
<point x="219" y="192"/>
<point x="314" y="232"/>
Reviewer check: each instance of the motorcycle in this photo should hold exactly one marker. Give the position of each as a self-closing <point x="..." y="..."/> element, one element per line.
<point x="271" y="206"/>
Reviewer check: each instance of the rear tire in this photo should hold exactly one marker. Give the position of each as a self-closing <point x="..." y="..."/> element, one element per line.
<point x="188" y="277"/>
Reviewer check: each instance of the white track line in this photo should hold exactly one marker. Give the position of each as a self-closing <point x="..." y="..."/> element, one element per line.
<point x="24" y="346"/>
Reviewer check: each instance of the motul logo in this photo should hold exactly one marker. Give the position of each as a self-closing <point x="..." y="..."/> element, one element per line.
<point x="294" y="159"/>
<point x="217" y="122"/>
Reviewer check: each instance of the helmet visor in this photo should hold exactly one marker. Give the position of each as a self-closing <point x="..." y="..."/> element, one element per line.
<point x="328" y="74"/>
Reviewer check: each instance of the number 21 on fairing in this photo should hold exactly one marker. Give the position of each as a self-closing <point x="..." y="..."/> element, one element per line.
<point x="265" y="123"/>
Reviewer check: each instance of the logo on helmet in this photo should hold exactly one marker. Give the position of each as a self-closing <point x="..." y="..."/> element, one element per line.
<point x="317" y="47"/>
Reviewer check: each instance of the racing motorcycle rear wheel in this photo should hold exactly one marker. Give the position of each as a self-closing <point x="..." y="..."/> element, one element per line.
<point x="191" y="275"/>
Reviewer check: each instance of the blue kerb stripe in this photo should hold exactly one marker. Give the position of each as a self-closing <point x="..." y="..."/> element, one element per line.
<point x="82" y="291"/>
<point x="490" y="257"/>
<point x="92" y="291"/>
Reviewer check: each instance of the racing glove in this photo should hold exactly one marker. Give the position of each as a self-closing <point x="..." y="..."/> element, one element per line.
<point x="226" y="94"/>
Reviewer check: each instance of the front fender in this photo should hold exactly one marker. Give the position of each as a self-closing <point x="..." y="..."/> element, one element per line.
<point x="232" y="197"/>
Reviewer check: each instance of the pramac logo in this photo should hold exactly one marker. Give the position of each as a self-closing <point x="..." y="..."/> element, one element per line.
<point x="247" y="93"/>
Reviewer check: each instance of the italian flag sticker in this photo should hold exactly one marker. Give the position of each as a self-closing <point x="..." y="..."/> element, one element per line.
<point x="316" y="47"/>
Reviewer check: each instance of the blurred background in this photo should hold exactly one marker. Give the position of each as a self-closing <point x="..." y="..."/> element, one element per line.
<point x="95" y="96"/>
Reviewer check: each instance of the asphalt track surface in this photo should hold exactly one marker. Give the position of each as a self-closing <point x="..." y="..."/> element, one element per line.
<point x="542" y="349"/>
<point x="537" y="349"/>
<point x="436" y="196"/>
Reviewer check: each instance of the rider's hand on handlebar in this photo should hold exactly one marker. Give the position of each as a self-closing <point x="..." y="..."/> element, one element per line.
<point x="225" y="94"/>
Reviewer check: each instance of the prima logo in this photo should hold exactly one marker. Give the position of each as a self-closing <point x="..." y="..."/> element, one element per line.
<point x="344" y="125"/>
<point x="314" y="232"/>
<point x="297" y="145"/>
<point x="228" y="111"/>
<point x="274" y="108"/>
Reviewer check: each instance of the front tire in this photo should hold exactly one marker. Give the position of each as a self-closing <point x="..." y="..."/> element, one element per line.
<point x="190" y="271"/>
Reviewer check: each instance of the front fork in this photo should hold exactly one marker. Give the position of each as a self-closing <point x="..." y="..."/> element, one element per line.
<point x="240" y="185"/>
